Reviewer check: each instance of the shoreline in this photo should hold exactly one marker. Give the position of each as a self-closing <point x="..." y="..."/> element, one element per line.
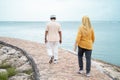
<point x="98" y="60"/>
<point x="110" y="70"/>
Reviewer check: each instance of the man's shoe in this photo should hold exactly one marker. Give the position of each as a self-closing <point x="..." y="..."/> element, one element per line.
<point x="55" y="61"/>
<point x="51" y="60"/>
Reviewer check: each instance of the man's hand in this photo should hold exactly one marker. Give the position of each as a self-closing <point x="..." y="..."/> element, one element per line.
<point x="45" y="40"/>
<point x="60" y="34"/>
<point x="46" y="32"/>
<point x="60" y="41"/>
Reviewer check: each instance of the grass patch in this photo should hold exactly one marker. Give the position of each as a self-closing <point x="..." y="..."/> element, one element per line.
<point x="28" y="71"/>
<point x="1" y="45"/>
<point x="3" y="76"/>
<point x="11" y="71"/>
<point x="4" y="66"/>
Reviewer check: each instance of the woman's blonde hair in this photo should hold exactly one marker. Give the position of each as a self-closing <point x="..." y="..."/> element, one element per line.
<point x="86" y="22"/>
<point x="86" y="25"/>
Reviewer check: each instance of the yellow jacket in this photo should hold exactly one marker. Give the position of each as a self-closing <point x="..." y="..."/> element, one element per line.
<point x="85" y="38"/>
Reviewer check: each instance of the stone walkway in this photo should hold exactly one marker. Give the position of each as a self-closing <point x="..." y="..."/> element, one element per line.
<point x="65" y="69"/>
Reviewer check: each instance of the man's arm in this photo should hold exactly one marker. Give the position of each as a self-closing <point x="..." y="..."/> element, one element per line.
<point x="46" y="32"/>
<point x="60" y="34"/>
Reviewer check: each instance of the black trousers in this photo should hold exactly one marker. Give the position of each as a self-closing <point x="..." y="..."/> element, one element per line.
<point x="88" y="53"/>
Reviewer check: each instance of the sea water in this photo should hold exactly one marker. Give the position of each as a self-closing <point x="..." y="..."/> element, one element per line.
<point x="107" y="36"/>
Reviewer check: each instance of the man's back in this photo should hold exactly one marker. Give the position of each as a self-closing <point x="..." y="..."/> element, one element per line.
<point x="53" y="29"/>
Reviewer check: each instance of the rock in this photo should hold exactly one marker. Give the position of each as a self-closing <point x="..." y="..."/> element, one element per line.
<point x="6" y="49"/>
<point x="19" y="53"/>
<point x="15" y="62"/>
<point x="1" y="52"/>
<point x="1" y="45"/>
<point x="3" y="71"/>
<point x="11" y="52"/>
<point x="25" y="67"/>
<point x="0" y="62"/>
<point x="4" y="57"/>
<point x="23" y="58"/>
<point x="21" y="76"/>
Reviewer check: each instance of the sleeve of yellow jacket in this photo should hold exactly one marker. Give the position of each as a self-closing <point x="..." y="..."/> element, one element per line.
<point x="78" y="35"/>
<point x="93" y="36"/>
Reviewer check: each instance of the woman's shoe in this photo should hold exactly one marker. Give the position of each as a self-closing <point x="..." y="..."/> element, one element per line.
<point x="88" y="74"/>
<point x="80" y="72"/>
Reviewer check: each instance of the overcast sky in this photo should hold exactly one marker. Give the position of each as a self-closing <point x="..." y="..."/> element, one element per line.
<point x="65" y="10"/>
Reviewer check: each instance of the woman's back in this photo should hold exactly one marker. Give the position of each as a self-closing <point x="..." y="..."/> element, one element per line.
<point x="85" y="36"/>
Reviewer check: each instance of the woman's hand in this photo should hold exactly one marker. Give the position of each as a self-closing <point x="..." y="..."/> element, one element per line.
<point x="75" y="47"/>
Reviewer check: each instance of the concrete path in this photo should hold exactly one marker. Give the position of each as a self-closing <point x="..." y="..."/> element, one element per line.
<point x="65" y="69"/>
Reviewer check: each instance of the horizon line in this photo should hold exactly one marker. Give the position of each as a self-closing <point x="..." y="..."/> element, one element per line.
<point x="49" y="20"/>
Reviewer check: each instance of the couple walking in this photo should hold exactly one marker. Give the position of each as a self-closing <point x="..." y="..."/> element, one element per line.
<point x="84" y="41"/>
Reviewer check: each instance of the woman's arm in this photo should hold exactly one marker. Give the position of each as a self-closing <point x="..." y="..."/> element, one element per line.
<point x="75" y="46"/>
